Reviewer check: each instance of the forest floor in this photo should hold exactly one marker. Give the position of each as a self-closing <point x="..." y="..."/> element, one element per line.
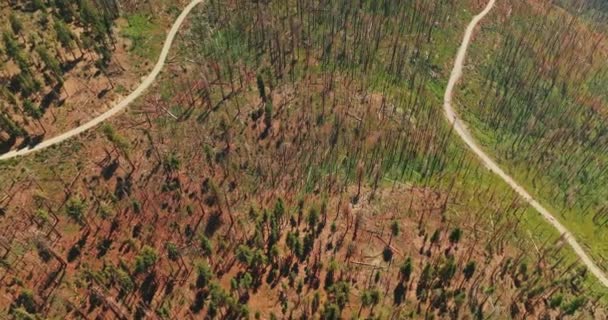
<point x="87" y="92"/>
<point x="122" y="104"/>
<point x="154" y="214"/>
<point x="546" y="171"/>
<point x="452" y="117"/>
<point x="464" y="134"/>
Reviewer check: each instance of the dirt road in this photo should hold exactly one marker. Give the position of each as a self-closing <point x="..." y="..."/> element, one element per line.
<point x="120" y="105"/>
<point x="464" y="134"/>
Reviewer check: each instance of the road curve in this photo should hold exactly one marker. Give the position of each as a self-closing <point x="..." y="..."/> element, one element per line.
<point x="464" y="134"/>
<point x="123" y="103"/>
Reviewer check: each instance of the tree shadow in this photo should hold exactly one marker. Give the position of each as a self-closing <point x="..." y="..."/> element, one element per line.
<point x="69" y="65"/>
<point x="52" y="96"/>
<point x="31" y="141"/>
<point x="148" y="288"/>
<point x="6" y="146"/>
<point x="103" y="92"/>
<point x="108" y="171"/>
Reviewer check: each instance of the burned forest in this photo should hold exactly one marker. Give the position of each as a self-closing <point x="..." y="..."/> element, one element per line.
<point x="292" y="160"/>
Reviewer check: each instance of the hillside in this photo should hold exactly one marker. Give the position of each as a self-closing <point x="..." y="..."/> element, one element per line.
<point x="65" y="61"/>
<point x="292" y="160"/>
<point x="543" y="109"/>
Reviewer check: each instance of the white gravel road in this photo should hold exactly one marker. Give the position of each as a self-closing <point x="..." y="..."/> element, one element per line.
<point x="462" y="131"/>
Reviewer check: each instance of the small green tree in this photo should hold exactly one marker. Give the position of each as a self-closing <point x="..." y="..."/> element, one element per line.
<point x="124" y="281"/>
<point x="261" y="87"/>
<point x="423" y="282"/>
<point x="366" y="300"/>
<point x="34" y="111"/>
<point x="76" y="209"/>
<point x="332" y="268"/>
<point x="97" y="23"/>
<point x="10" y="45"/>
<point x="369" y="298"/>
<point x="171" y="162"/>
<point x="31" y="110"/>
<point x="331" y="311"/>
<point x="556" y="301"/>
<point x="16" y="24"/>
<point x="406" y="269"/>
<point x="65" y="36"/>
<point x="27" y="84"/>
<point x="50" y="62"/>
<point x="172" y="251"/>
<point x="38" y="4"/>
<point x="573" y="306"/>
<point x="340" y="293"/>
<point x="204" y="275"/>
<point x="26" y="301"/>
<point x="447" y="271"/>
<point x="279" y="210"/>
<point x="8" y="125"/>
<point x="395" y="230"/>
<point x="244" y="254"/>
<point x="65" y="8"/>
<point x="206" y="246"/>
<point x="246" y="281"/>
<point x="268" y="115"/>
<point x="119" y="142"/>
<point x="145" y="260"/>
<point x="455" y="236"/>
<point x="313" y="218"/>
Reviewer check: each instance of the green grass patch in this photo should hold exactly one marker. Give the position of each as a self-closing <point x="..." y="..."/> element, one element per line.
<point x="146" y="36"/>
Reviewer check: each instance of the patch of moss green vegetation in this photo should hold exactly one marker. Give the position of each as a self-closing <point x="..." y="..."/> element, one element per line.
<point x="428" y="167"/>
<point x="145" y="34"/>
<point x="543" y="128"/>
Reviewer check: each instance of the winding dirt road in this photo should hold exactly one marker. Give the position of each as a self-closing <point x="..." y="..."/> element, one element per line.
<point x="123" y="103"/>
<point x="464" y="134"/>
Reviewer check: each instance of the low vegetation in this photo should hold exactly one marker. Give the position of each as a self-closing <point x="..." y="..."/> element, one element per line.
<point x="543" y="110"/>
<point x="292" y="162"/>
